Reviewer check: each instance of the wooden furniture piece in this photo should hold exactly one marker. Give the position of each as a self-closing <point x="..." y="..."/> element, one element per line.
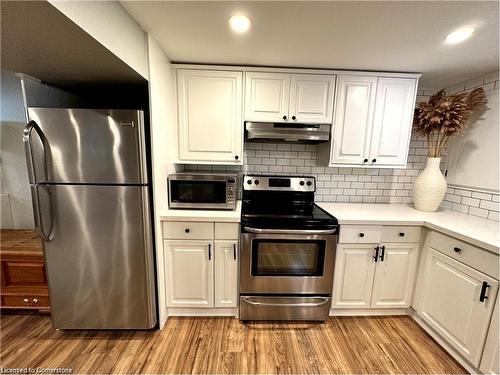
<point x="24" y="281"/>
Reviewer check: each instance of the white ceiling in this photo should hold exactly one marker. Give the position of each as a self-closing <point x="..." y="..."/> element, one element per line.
<point x="389" y="36"/>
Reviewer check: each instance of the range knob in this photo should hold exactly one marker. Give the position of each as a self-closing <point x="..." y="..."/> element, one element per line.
<point x="301" y="183"/>
<point x="256" y="182"/>
<point x="249" y="182"/>
<point x="309" y="183"/>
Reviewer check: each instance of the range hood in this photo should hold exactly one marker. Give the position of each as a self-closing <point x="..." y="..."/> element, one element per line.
<point x="287" y="132"/>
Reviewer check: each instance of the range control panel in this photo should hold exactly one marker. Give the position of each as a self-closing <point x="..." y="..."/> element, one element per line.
<point x="279" y="183"/>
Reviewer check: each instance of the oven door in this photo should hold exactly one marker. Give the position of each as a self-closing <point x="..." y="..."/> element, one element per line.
<point x="287" y="262"/>
<point x="201" y="194"/>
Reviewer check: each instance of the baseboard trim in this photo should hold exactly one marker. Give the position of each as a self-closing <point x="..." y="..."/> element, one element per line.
<point x="368" y="312"/>
<point x="181" y="311"/>
<point x="448" y="348"/>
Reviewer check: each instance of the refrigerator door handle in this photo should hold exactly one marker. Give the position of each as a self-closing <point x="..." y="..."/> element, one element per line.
<point x="32" y="125"/>
<point x="38" y="214"/>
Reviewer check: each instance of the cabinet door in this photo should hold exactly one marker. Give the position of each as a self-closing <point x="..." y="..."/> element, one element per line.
<point x="352" y="128"/>
<point x="210" y="123"/>
<point x="226" y="273"/>
<point x="394" y="276"/>
<point x="311" y="98"/>
<point x="392" y="121"/>
<point x="353" y="278"/>
<point x="189" y="273"/>
<point x="267" y="96"/>
<point x="490" y="363"/>
<point x="451" y="304"/>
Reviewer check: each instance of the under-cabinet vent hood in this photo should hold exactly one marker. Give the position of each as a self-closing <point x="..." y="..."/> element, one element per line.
<point x="287" y="132"/>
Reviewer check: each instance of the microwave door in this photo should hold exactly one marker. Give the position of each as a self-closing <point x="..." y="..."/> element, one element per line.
<point x="198" y="194"/>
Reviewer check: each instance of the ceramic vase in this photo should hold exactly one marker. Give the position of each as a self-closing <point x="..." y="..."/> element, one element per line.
<point x="429" y="187"/>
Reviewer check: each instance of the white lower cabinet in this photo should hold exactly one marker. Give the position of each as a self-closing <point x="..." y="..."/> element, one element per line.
<point x="490" y="363"/>
<point x="394" y="276"/>
<point x="203" y="271"/>
<point x="452" y="303"/>
<point x="361" y="281"/>
<point x="353" y="276"/>
<point x="226" y="273"/>
<point x="189" y="273"/>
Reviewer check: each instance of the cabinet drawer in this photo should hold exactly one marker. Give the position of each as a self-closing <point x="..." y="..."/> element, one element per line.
<point x="38" y="302"/>
<point x="400" y="233"/>
<point x="360" y="234"/>
<point x="181" y="230"/>
<point x="464" y="252"/>
<point x="23" y="273"/>
<point x="227" y="231"/>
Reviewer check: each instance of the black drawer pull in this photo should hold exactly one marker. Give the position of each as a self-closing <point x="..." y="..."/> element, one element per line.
<point x="483" y="295"/>
<point x="375" y="256"/>
<point x="457" y="249"/>
<point x="382" y="253"/>
<point x="209" y="251"/>
<point x="234" y="251"/>
<point x="187" y="230"/>
<point x="361" y="235"/>
<point x="401" y="234"/>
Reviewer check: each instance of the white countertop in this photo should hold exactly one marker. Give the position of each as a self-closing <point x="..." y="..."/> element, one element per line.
<point x="227" y="216"/>
<point x="478" y="231"/>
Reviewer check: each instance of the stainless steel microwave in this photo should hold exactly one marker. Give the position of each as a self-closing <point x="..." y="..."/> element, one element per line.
<point x="202" y="191"/>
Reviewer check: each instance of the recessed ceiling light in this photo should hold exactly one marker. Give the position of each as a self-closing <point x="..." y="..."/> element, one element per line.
<point x="240" y="24"/>
<point x="459" y="35"/>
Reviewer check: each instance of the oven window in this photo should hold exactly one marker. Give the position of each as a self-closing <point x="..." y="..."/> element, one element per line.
<point x="287" y="257"/>
<point x="198" y="191"/>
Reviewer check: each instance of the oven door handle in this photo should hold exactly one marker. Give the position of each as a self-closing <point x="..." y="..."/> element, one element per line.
<point x="324" y="300"/>
<point x="290" y="231"/>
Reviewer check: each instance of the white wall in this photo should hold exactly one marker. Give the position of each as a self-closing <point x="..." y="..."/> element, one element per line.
<point x="164" y="149"/>
<point x="14" y="186"/>
<point x="111" y="26"/>
<point x="473" y="160"/>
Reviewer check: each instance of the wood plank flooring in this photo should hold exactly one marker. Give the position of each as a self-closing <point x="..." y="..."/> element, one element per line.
<point x="375" y="345"/>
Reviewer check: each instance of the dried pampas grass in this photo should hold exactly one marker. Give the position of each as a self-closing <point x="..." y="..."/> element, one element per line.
<point x="443" y="116"/>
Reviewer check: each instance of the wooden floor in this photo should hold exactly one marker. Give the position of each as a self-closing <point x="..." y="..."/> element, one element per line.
<point x="224" y="345"/>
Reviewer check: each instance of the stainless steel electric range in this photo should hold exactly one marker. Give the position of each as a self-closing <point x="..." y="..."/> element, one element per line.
<point x="287" y="250"/>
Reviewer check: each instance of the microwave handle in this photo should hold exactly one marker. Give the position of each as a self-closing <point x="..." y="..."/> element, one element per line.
<point x="290" y="231"/>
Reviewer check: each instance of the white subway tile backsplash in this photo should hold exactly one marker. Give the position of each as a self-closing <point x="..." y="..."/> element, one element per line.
<point x="473" y="202"/>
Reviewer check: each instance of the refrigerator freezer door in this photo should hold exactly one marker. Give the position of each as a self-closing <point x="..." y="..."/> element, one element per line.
<point x="85" y="146"/>
<point x="99" y="258"/>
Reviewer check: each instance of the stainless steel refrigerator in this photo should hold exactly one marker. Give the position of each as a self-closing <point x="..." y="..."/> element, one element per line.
<point x="89" y="184"/>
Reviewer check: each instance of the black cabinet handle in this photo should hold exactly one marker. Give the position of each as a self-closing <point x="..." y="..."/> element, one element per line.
<point x="234" y="251"/>
<point x="374" y="160"/>
<point x="294" y="118"/>
<point x="457" y="249"/>
<point x="187" y="230"/>
<point x="236" y="157"/>
<point x="209" y="251"/>
<point x="365" y="161"/>
<point x="401" y="234"/>
<point x="361" y="235"/>
<point x="382" y="253"/>
<point x="375" y="256"/>
<point x="483" y="295"/>
<point x="284" y="117"/>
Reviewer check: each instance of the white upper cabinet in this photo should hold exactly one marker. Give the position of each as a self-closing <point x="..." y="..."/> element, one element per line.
<point x="353" y="119"/>
<point x="373" y="120"/>
<point x="284" y="97"/>
<point x="209" y="114"/>
<point x="392" y="121"/>
<point x="311" y="98"/>
<point x="267" y="96"/>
